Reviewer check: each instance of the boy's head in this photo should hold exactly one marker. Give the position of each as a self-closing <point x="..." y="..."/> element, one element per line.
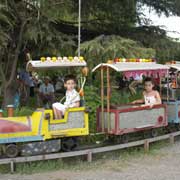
<point x="148" y="84"/>
<point x="70" y="82"/>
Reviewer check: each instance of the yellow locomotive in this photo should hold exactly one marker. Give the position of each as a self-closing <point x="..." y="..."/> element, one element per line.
<point x="40" y="133"/>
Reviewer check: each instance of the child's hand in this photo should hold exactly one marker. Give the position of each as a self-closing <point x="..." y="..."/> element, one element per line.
<point x="143" y="105"/>
<point x="151" y="106"/>
<point x="134" y="102"/>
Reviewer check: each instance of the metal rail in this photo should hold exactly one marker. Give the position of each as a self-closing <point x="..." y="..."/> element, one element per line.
<point x="87" y="152"/>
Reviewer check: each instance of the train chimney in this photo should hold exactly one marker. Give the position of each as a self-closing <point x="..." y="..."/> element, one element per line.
<point x="1" y="113"/>
<point x="10" y="110"/>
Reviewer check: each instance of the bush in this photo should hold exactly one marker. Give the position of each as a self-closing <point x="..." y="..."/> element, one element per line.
<point x="23" y="111"/>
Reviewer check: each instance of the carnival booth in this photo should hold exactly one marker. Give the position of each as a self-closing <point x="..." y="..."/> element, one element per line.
<point x="55" y="63"/>
<point x="124" y="119"/>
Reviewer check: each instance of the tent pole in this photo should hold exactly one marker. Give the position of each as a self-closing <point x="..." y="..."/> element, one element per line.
<point x="160" y="85"/>
<point x="102" y="99"/>
<point x="168" y="85"/>
<point x="108" y="99"/>
<point x="79" y="29"/>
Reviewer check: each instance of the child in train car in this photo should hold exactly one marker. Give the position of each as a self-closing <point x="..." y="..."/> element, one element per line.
<point x="72" y="97"/>
<point x="172" y="83"/>
<point x="150" y="96"/>
<point x="178" y="80"/>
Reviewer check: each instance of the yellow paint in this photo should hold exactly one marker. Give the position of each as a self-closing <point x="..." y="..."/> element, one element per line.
<point x="68" y="132"/>
<point x="40" y="126"/>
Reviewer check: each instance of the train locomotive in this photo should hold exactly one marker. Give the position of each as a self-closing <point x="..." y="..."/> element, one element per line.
<point x="40" y="133"/>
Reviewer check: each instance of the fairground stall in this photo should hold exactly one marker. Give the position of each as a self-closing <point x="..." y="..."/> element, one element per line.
<point x="125" y="119"/>
<point x="41" y="133"/>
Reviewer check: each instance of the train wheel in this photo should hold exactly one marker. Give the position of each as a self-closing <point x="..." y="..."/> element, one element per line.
<point x="69" y="144"/>
<point x="110" y="140"/>
<point x="178" y="127"/>
<point x="118" y="139"/>
<point x="171" y="129"/>
<point x="146" y="134"/>
<point x="11" y="150"/>
<point x="125" y="138"/>
<point x="154" y="132"/>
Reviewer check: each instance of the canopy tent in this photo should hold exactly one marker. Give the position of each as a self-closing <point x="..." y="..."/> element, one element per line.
<point x="133" y="66"/>
<point x="130" y="69"/>
<point x="38" y="65"/>
<point x="175" y="66"/>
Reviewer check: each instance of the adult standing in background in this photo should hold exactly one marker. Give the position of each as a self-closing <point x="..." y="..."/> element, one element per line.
<point x="25" y="84"/>
<point x="46" y="93"/>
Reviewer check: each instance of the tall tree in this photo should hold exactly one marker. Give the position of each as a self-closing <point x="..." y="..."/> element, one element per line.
<point x="24" y="23"/>
<point x="51" y="27"/>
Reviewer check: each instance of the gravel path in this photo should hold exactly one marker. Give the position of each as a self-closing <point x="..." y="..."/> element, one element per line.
<point x="161" y="165"/>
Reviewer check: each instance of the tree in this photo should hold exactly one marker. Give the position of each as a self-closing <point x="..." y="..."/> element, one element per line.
<point x="23" y="24"/>
<point x="104" y="48"/>
<point x="49" y="27"/>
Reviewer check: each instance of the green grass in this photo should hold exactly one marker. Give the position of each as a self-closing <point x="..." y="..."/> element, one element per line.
<point x="119" y="157"/>
<point x="23" y="111"/>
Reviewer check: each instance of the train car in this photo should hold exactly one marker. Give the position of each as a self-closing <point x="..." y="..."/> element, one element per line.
<point x="122" y="120"/>
<point x="172" y="98"/>
<point x="40" y="133"/>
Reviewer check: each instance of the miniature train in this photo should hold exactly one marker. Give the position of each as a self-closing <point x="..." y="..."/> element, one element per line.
<point x="40" y="133"/>
<point x="40" y="129"/>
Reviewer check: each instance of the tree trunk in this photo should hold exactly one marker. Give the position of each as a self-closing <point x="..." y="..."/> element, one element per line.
<point x="10" y="84"/>
<point x="9" y="93"/>
<point x="8" y="97"/>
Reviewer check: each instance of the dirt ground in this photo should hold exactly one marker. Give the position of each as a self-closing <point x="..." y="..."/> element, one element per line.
<point x="164" y="164"/>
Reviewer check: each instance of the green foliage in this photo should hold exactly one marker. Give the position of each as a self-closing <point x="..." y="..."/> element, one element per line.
<point x="23" y="111"/>
<point x="50" y="28"/>
<point x="40" y="33"/>
<point x="166" y="49"/>
<point x="167" y="7"/>
<point x="155" y="37"/>
<point x="93" y="101"/>
<point x="108" y="15"/>
<point x="104" y="48"/>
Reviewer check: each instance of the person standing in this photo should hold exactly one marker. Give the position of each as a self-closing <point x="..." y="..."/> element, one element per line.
<point x="46" y="92"/>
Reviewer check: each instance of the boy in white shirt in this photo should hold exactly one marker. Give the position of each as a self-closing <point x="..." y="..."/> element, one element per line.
<point x="72" y="97"/>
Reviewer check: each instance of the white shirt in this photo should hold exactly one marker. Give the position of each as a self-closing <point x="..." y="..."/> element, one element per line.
<point x="149" y="100"/>
<point x="71" y="98"/>
<point x="46" y="89"/>
<point x="31" y="84"/>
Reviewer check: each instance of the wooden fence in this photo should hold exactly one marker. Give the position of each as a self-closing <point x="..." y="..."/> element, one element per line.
<point x="88" y="152"/>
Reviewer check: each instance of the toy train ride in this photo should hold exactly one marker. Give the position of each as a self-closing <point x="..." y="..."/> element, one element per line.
<point x="40" y="133"/>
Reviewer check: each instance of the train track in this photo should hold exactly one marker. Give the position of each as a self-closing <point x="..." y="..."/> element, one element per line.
<point x="89" y="151"/>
